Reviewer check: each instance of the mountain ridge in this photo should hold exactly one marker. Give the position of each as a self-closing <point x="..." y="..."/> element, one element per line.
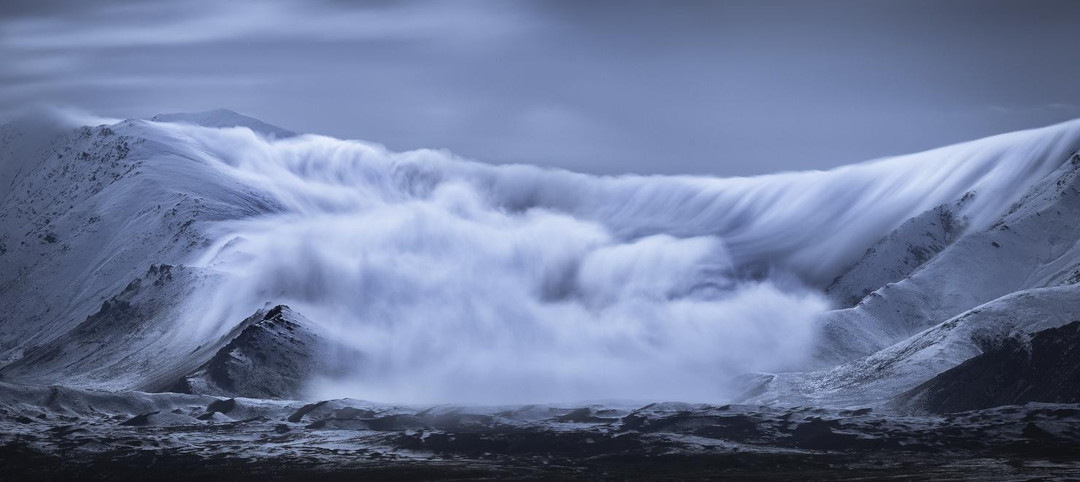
<point x="92" y="216"/>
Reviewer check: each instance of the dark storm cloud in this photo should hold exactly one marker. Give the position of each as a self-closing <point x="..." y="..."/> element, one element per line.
<point x="724" y="88"/>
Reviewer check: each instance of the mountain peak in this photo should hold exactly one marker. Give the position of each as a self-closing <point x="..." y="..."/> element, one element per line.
<point x="224" y="118"/>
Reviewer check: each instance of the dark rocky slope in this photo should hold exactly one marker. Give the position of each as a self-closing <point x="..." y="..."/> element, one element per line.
<point x="1042" y="368"/>
<point x="272" y="357"/>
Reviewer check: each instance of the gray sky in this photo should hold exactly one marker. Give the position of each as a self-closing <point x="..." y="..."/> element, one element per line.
<point x="711" y="87"/>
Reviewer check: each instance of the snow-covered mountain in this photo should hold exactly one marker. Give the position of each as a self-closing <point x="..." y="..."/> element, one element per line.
<point x="134" y="254"/>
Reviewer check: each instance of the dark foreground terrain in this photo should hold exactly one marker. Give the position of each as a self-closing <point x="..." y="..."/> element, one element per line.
<point x="62" y="434"/>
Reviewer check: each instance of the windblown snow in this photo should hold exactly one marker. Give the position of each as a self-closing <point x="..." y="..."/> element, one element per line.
<point x="431" y="278"/>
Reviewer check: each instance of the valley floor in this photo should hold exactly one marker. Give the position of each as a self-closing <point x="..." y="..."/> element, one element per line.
<point x="63" y="434"/>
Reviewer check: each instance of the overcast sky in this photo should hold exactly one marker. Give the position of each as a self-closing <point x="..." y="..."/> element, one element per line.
<point x="711" y="87"/>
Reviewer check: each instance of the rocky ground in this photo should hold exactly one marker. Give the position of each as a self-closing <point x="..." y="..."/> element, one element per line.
<point x="61" y="434"/>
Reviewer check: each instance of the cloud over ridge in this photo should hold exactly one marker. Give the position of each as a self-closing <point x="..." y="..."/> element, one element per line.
<point x="461" y="281"/>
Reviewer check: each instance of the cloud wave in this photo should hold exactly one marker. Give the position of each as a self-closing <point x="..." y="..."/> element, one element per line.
<point x="460" y="281"/>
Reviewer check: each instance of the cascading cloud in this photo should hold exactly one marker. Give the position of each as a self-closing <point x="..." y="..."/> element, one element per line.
<point x="449" y="280"/>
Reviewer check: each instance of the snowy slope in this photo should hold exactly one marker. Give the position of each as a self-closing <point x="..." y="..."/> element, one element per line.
<point x="92" y="211"/>
<point x="900" y="253"/>
<point x="1035" y="244"/>
<point x="875" y="379"/>
<point x="1017" y="277"/>
<point x="130" y="341"/>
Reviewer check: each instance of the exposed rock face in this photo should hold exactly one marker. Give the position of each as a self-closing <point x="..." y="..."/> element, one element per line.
<point x="272" y="357"/>
<point x="1042" y="368"/>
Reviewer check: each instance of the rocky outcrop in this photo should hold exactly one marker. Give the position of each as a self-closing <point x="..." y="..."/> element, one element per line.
<point x="272" y="357"/>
